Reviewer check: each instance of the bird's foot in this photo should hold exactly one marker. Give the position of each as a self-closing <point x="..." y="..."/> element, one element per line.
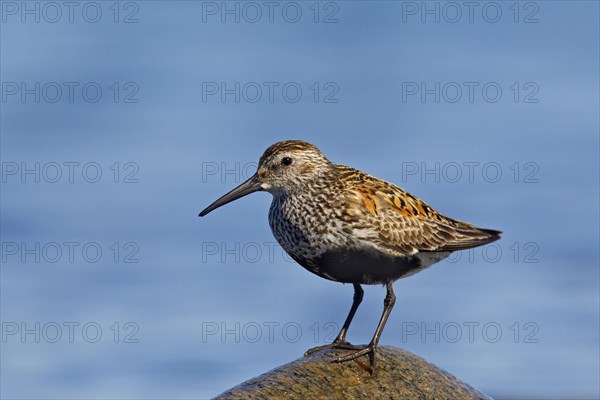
<point x="336" y="344"/>
<point x="362" y="350"/>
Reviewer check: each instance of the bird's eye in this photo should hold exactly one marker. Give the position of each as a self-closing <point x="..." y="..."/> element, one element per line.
<point x="286" y="161"/>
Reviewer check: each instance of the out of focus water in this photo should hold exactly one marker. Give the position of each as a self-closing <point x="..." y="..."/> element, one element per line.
<point x="112" y="287"/>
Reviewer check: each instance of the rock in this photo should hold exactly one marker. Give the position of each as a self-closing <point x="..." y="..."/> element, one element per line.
<point x="400" y="375"/>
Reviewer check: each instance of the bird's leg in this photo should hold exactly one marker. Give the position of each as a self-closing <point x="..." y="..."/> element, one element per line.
<point x="340" y="340"/>
<point x="388" y="304"/>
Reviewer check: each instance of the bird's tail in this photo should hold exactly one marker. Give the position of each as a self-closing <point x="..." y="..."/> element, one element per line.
<point x="469" y="236"/>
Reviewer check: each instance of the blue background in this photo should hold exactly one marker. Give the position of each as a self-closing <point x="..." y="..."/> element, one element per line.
<point x="204" y="292"/>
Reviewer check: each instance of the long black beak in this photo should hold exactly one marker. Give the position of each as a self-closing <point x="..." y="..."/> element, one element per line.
<point x="250" y="186"/>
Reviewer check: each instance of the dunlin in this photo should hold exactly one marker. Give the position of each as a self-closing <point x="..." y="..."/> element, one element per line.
<point x="344" y="225"/>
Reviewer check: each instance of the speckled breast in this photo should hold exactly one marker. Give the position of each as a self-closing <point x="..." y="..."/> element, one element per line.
<point x="293" y="233"/>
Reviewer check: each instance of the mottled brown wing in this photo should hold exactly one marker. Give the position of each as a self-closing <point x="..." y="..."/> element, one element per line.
<point x="400" y="223"/>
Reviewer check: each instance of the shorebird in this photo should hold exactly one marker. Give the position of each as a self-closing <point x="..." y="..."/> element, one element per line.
<point x="347" y="226"/>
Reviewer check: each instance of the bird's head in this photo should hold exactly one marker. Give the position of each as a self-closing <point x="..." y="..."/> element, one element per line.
<point x="283" y="169"/>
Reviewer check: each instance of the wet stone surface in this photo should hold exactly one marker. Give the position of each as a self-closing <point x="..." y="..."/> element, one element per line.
<point x="399" y="375"/>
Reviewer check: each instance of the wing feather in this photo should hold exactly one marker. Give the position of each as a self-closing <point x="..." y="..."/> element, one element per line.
<point x="399" y="223"/>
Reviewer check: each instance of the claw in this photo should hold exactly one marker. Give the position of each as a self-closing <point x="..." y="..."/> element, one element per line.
<point x="364" y="350"/>
<point x="370" y="350"/>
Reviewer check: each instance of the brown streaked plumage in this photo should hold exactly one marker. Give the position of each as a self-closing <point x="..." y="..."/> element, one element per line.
<point x="350" y="227"/>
